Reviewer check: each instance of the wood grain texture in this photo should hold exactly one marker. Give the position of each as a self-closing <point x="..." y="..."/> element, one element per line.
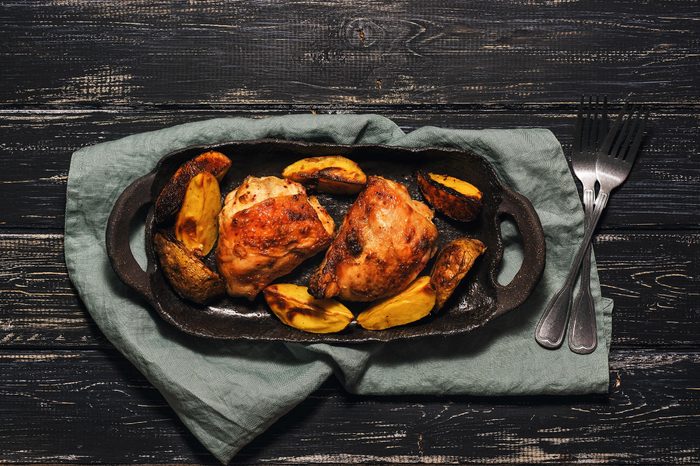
<point x="654" y="279"/>
<point x="36" y="148"/>
<point x="217" y="52"/>
<point x="38" y="304"/>
<point x="92" y="406"/>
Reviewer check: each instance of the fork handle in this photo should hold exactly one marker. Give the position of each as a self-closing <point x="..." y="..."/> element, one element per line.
<point x="582" y="333"/>
<point x="552" y="325"/>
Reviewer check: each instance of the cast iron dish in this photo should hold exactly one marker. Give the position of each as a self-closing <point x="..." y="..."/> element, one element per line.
<point x="477" y="300"/>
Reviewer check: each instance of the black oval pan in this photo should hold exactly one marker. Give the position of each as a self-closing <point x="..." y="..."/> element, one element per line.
<point x="476" y="301"/>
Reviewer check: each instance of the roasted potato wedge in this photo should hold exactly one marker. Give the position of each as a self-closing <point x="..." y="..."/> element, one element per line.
<point x="187" y="274"/>
<point x="451" y="196"/>
<point x="332" y="174"/>
<point x="197" y="222"/>
<point x="452" y="264"/>
<point x="412" y="304"/>
<point x="295" y="307"/>
<point x="170" y="198"/>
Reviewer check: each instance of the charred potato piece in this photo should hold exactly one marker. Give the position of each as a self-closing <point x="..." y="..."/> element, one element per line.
<point x="451" y="196"/>
<point x="187" y="274"/>
<point x="412" y="304"/>
<point x="197" y="222"/>
<point x="295" y="307"/>
<point x="170" y="198"/>
<point x="332" y="174"/>
<point x="452" y="264"/>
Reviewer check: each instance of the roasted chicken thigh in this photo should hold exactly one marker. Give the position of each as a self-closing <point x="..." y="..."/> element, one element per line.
<point x="267" y="227"/>
<point x="384" y="242"/>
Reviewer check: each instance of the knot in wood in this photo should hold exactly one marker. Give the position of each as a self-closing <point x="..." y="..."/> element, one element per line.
<point x="362" y="32"/>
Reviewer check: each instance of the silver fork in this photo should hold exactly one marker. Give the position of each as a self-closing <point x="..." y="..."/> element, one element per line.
<point x="591" y="128"/>
<point x="615" y="159"/>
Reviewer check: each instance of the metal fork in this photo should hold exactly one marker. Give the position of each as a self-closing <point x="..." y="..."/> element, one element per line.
<point x="615" y="159"/>
<point x="591" y="128"/>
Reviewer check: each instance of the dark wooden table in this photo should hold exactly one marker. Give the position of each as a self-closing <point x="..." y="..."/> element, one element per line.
<point x="77" y="73"/>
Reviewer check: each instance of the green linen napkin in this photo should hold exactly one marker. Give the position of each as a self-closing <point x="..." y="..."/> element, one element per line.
<point x="226" y="393"/>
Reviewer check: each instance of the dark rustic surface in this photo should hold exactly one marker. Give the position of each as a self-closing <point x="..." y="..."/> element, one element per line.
<point x="76" y="73"/>
<point x="93" y="406"/>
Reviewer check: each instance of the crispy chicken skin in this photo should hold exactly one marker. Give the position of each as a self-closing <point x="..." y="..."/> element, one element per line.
<point x="267" y="227"/>
<point x="384" y="242"/>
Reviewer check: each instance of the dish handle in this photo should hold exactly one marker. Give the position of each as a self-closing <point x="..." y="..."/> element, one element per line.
<point x="512" y="295"/>
<point x="129" y="203"/>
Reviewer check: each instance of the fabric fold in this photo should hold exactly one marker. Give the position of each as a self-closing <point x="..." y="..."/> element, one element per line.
<point x="226" y="393"/>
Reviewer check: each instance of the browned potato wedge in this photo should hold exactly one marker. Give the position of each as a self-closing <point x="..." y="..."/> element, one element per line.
<point x="332" y="174"/>
<point x="453" y="197"/>
<point x="452" y="264"/>
<point x="188" y="275"/>
<point x="412" y="304"/>
<point x="170" y="198"/>
<point x="197" y="223"/>
<point x="295" y="307"/>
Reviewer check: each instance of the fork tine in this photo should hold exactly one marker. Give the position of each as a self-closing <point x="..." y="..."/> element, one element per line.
<point x="603" y="123"/>
<point x="621" y="136"/>
<point x="586" y="137"/>
<point x="610" y="137"/>
<point x="634" y="148"/>
<point x="634" y="121"/>
<point x="594" y="125"/>
<point x="578" y="128"/>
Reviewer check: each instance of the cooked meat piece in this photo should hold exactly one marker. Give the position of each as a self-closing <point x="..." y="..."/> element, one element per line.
<point x="384" y="242"/>
<point x="267" y="227"/>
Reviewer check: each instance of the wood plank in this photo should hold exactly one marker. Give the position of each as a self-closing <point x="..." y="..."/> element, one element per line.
<point x="38" y="305"/>
<point x="92" y="406"/>
<point x="36" y="147"/>
<point x="114" y="52"/>
<point x="653" y="277"/>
